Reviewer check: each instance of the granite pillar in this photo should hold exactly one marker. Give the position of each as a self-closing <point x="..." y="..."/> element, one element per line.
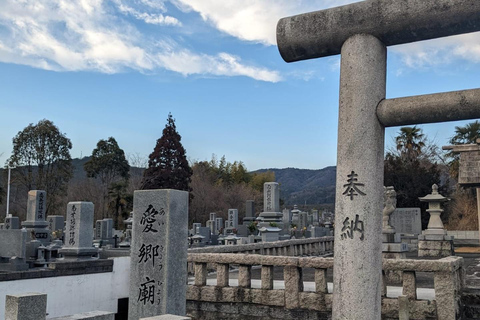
<point x="359" y="189"/>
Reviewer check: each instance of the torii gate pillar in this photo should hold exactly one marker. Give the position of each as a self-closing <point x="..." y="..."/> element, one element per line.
<point x="360" y="32"/>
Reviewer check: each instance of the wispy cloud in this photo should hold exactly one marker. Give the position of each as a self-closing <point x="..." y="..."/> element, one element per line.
<point x="89" y="35"/>
<point x="253" y="20"/>
<point x="151" y="18"/>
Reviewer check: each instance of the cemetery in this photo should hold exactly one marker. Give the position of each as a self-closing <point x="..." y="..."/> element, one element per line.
<point x="367" y="260"/>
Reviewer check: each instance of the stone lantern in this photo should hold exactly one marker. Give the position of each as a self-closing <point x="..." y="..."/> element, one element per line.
<point x="434" y="241"/>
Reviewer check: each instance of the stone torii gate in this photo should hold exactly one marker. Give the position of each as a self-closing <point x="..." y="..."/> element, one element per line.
<point x="360" y="32"/>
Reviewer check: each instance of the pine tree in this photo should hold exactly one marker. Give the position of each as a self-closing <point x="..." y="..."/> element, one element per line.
<point x="168" y="167"/>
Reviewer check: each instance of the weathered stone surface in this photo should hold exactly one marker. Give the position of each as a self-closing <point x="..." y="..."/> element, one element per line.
<point x="267" y="277"/>
<point x="158" y="253"/>
<point x="93" y="315"/>
<point x="322" y="33"/>
<point x="222" y="275"/>
<point x="13" y="243"/>
<point x="79" y="231"/>
<point x="28" y="306"/>
<point x="359" y="190"/>
<point x="406" y="220"/>
<point x="447" y="295"/>
<point x="430" y="108"/>
<point x="167" y="317"/>
<point x="448" y="264"/>
<point x="410" y="285"/>
<point x="293" y="281"/>
<point x="36" y="208"/>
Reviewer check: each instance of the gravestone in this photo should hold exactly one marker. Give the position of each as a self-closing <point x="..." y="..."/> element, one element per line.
<point x="219" y="224"/>
<point x="56" y="224"/>
<point x="98" y="230"/>
<point x="195" y="227"/>
<point x="107" y="229"/>
<point x="287" y="217"/>
<point x="36" y="224"/>
<point x="469" y="168"/>
<point x="13" y="246"/>
<point x="79" y="232"/>
<point x="158" y="253"/>
<point x="360" y="32"/>
<point x="406" y="220"/>
<point x="232" y="218"/>
<point x="249" y="212"/>
<point x="12" y="223"/>
<point x="271" y="214"/>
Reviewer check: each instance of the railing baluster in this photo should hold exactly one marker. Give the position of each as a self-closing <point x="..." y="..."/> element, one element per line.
<point x="293" y="286"/>
<point x="410" y="285"/>
<point x="321" y="281"/>
<point x="244" y="276"/>
<point x="200" y="274"/>
<point x="222" y="275"/>
<point x="267" y="277"/>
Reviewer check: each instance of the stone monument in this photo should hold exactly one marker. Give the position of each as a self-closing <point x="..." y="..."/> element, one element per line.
<point x="469" y="170"/>
<point x="79" y="232"/>
<point x="434" y="242"/>
<point x="36" y="224"/>
<point x="249" y="212"/>
<point x="360" y="32"/>
<point x="271" y="206"/>
<point x="158" y="265"/>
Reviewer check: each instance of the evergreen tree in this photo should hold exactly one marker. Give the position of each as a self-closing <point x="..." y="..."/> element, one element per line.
<point x="168" y="167"/>
<point x="108" y="163"/>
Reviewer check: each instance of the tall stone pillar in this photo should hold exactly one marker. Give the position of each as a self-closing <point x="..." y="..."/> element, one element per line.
<point x="158" y="267"/>
<point x="359" y="188"/>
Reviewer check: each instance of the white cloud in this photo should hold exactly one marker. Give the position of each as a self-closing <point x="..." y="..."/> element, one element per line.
<point x="158" y="19"/>
<point x="223" y="64"/>
<point x="253" y="20"/>
<point x="86" y="35"/>
<point x="439" y="52"/>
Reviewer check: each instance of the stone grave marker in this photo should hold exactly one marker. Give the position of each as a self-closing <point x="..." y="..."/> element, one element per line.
<point x="158" y="253"/>
<point x="219" y="223"/>
<point x="12" y="223"/>
<point x="36" y="224"/>
<point x="360" y="32"/>
<point x="56" y="223"/>
<point x="79" y="231"/>
<point x="406" y="220"/>
<point x="98" y="229"/>
<point x="232" y="218"/>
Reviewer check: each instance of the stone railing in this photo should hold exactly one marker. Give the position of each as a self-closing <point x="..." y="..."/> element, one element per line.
<point x="295" y="247"/>
<point x="291" y="297"/>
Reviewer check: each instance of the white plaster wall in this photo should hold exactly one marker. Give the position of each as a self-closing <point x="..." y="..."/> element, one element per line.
<point x="75" y="294"/>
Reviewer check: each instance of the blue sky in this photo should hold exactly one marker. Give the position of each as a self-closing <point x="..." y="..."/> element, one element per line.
<point x="117" y="68"/>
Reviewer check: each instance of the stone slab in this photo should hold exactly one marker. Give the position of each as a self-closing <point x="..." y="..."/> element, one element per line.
<point x="394" y="247"/>
<point x="167" y="317"/>
<point x="406" y="220"/>
<point x="93" y="315"/>
<point x="13" y="243"/>
<point x="158" y="253"/>
<point x="469" y="169"/>
<point x="27" y="306"/>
